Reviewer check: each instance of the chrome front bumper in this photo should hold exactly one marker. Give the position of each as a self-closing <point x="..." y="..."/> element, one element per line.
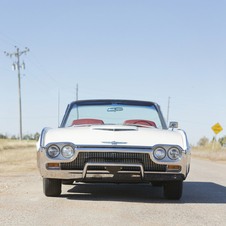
<point x="115" y="174"/>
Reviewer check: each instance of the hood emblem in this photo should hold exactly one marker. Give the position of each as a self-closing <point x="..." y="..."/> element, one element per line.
<point x="113" y="142"/>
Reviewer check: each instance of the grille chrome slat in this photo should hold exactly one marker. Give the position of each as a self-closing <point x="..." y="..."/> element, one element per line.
<point x="113" y="157"/>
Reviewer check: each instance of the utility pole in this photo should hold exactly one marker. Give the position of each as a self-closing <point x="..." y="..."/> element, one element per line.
<point x="18" y="54"/>
<point x="59" y="108"/>
<point x="168" y="110"/>
<point x="76" y="92"/>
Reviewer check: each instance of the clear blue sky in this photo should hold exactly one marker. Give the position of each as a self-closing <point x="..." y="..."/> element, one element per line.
<point x="145" y="50"/>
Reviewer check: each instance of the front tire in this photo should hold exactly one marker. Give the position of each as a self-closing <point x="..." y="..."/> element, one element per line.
<point x="52" y="187"/>
<point x="173" y="189"/>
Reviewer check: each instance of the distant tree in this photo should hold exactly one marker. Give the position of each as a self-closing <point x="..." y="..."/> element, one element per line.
<point x="26" y="137"/>
<point x="3" y="136"/>
<point x="203" y="141"/>
<point x="36" y="136"/>
<point x="31" y="136"/>
<point x="222" y="141"/>
<point x="13" y="137"/>
<point x="6" y="135"/>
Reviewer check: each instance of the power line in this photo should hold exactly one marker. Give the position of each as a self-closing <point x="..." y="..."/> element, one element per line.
<point x="4" y="69"/>
<point x="46" y="72"/>
<point x="6" y="41"/>
<point x="168" y="110"/>
<point x="10" y="39"/>
<point x="76" y="92"/>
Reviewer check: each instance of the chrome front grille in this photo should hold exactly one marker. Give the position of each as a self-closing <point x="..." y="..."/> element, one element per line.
<point x="113" y="157"/>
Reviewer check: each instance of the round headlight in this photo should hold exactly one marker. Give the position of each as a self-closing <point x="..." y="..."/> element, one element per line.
<point x="159" y="153"/>
<point x="174" y="153"/>
<point x="53" y="151"/>
<point x="67" y="151"/>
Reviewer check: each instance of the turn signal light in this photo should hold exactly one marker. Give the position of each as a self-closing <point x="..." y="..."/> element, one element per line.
<point x="173" y="167"/>
<point x="53" y="165"/>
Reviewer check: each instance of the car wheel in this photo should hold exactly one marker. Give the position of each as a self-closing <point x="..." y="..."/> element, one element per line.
<point x="173" y="189"/>
<point x="156" y="183"/>
<point x="52" y="187"/>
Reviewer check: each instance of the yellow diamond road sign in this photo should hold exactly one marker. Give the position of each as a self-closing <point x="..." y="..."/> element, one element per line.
<point x="217" y="128"/>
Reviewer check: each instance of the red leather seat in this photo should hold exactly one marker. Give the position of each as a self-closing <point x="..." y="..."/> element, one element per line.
<point x="86" y="121"/>
<point x="140" y="122"/>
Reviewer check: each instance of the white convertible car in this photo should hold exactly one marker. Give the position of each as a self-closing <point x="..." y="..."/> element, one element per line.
<point x="114" y="141"/>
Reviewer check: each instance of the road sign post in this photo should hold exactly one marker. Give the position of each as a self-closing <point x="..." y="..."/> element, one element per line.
<point x="216" y="129"/>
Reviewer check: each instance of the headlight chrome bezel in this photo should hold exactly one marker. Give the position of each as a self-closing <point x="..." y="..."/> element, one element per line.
<point x="176" y="156"/>
<point x="57" y="148"/>
<point x="72" y="151"/>
<point x="157" y="151"/>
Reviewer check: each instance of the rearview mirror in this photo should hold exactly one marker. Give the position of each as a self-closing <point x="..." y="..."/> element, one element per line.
<point x="173" y="125"/>
<point x="114" y="109"/>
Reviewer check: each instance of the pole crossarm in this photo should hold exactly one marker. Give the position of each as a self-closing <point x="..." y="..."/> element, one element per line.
<point x="17" y="53"/>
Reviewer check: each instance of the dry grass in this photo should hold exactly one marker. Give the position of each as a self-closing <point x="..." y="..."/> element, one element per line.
<point x="14" y="144"/>
<point x="18" y="160"/>
<point x="218" y="154"/>
<point x="16" y="156"/>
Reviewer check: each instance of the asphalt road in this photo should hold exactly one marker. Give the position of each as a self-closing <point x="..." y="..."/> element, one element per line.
<point x="203" y="202"/>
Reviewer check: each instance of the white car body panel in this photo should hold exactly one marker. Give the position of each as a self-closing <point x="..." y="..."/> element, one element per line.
<point x="96" y="135"/>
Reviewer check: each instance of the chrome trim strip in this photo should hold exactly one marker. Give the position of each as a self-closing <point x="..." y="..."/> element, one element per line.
<point x="42" y="137"/>
<point x="114" y="148"/>
<point x="65" y="115"/>
<point x="112" y="164"/>
<point x="113" y="142"/>
<point x="80" y="172"/>
<point x="164" y="126"/>
<point x="122" y="147"/>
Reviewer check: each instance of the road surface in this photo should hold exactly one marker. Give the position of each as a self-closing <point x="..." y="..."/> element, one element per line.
<point x="203" y="202"/>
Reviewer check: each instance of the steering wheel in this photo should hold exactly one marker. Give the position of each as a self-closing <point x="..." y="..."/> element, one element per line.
<point x="144" y="122"/>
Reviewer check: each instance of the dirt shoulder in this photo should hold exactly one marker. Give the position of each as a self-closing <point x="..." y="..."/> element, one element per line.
<point x="18" y="160"/>
<point x="16" y="165"/>
<point x="218" y="156"/>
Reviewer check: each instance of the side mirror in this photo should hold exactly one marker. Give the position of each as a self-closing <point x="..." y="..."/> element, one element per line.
<point x="173" y="125"/>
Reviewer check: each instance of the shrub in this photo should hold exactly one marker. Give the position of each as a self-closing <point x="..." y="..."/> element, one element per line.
<point x="203" y="142"/>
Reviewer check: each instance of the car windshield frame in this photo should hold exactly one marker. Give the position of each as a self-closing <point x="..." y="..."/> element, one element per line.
<point x="114" y="105"/>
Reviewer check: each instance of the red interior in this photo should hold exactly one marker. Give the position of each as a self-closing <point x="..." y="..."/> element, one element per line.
<point x="86" y="121"/>
<point x="140" y="122"/>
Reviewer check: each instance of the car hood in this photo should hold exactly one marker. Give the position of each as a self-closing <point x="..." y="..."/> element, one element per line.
<point x="115" y="135"/>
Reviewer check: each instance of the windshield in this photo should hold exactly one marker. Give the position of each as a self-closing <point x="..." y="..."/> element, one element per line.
<point x="114" y="113"/>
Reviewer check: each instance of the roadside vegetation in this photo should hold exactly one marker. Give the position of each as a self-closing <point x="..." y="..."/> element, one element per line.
<point x="28" y="136"/>
<point x="214" y="150"/>
<point x="17" y="156"/>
